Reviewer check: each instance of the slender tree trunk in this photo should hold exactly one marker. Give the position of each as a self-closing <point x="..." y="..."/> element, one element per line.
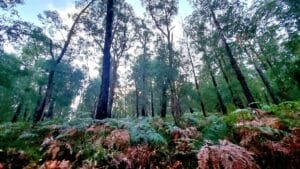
<point x="143" y="92"/>
<point x="17" y="113"/>
<point x="137" y="103"/>
<point x="234" y="100"/>
<point x="266" y="59"/>
<point x="102" y="105"/>
<point x="152" y="102"/>
<point x="163" y="110"/>
<point x="50" y="112"/>
<point x="222" y="105"/>
<point x="263" y="78"/>
<point x="112" y="87"/>
<point x="196" y="82"/>
<point x="234" y="64"/>
<point x="238" y="97"/>
<point x="39" y="111"/>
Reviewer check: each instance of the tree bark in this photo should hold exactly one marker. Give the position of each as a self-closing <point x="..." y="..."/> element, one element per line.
<point x="50" y="112"/>
<point x="196" y="81"/>
<point x="234" y="100"/>
<point x="163" y="110"/>
<point x="152" y="102"/>
<point x="263" y="78"/>
<point x="112" y="87"/>
<point x="102" y="105"/>
<point x="234" y="64"/>
<point x="137" y="103"/>
<point x="39" y="111"/>
<point x="222" y="105"/>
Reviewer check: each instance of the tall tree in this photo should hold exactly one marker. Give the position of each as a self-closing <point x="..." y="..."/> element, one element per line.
<point x="40" y="108"/>
<point x="207" y="8"/>
<point x="162" y="13"/>
<point x="101" y="111"/>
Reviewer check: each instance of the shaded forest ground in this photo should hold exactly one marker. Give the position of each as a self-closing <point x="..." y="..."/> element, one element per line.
<point x="266" y="138"/>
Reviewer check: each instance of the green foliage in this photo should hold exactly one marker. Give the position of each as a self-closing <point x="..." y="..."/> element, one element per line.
<point x="79" y="120"/>
<point x="195" y="119"/>
<point x="216" y="129"/>
<point x="140" y="130"/>
<point x="21" y="137"/>
<point x="288" y="112"/>
<point x="238" y="115"/>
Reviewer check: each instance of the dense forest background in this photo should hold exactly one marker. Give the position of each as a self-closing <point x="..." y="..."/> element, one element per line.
<point x="102" y="61"/>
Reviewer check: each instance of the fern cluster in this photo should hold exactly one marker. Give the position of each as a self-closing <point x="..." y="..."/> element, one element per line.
<point x="140" y="130"/>
<point x="216" y="129"/>
<point x="238" y="115"/>
<point x="288" y="112"/>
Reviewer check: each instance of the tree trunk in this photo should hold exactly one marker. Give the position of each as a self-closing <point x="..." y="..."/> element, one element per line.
<point x="137" y="103"/>
<point x="234" y="100"/>
<point x="102" y="105"/>
<point x="112" y="87"/>
<point x="263" y="78"/>
<point x="163" y="110"/>
<point x="222" y="105"/>
<point x="17" y="113"/>
<point x="50" y="112"/>
<point x="143" y="92"/>
<point x="234" y="64"/>
<point x="39" y="110"/>
<point x="152" y="102"/>
<point x="238" y="97"/>
<point x="196" y="81"/>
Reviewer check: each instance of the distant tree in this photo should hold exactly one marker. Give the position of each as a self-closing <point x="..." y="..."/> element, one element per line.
<point x="56" y="60"/>
<point x="162" y="14"/>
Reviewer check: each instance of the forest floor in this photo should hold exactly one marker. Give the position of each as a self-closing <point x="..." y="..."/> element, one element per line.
<point x="266" y="138"/>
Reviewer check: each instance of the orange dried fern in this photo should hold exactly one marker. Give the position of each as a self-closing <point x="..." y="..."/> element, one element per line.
<point x="225" y="156"/>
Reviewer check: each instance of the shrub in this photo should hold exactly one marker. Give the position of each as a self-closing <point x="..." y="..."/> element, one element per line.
<point x="227" y="156"/>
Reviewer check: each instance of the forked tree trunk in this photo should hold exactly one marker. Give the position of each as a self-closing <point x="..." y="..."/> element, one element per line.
<point x="234" y="64"/>
<point x="102" y="105"/>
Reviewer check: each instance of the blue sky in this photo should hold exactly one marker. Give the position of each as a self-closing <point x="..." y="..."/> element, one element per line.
<point x="32" y="8"/>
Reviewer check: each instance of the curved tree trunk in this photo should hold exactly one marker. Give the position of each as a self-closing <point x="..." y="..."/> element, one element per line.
<point x="40" y="107"/>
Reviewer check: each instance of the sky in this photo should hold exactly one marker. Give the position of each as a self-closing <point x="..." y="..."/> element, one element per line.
<point x="32" y="8"/>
